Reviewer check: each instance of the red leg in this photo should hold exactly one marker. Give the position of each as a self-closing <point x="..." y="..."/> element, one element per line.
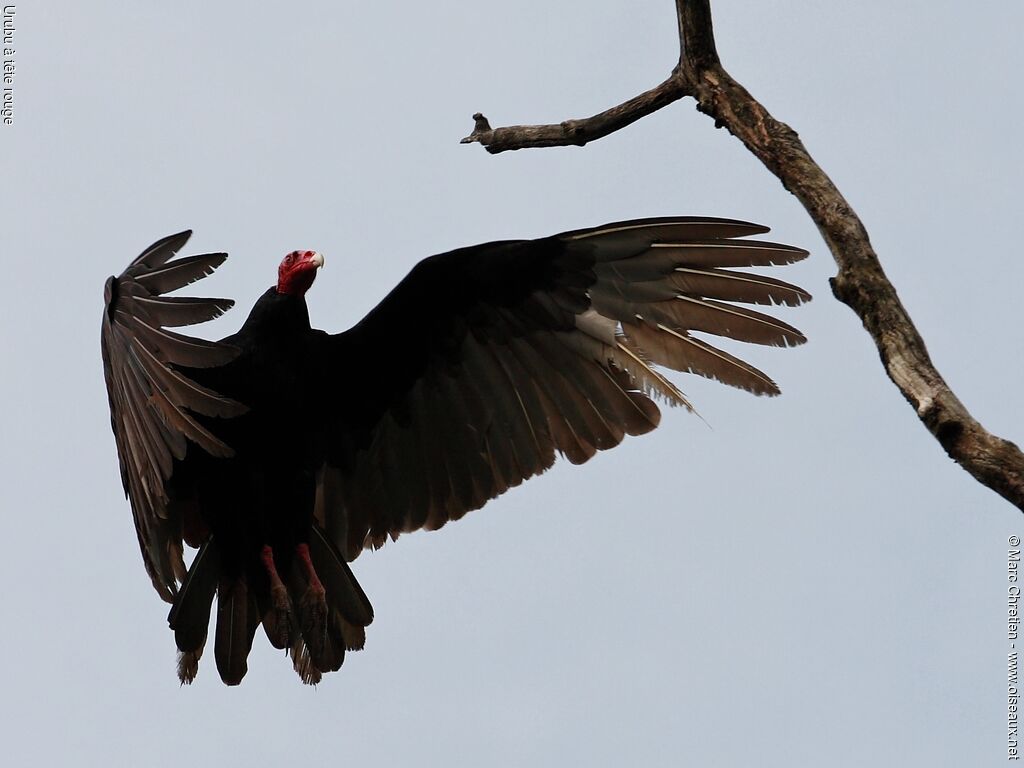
<point x="277" y="621"/>
<point x="302" y="550"/>
<point x="267" y="556"/>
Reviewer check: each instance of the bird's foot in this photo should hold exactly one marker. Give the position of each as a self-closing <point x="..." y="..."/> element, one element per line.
<point x="313" y="611"/>
<point x="277" y="622"/>
<point x="313" y="605"/>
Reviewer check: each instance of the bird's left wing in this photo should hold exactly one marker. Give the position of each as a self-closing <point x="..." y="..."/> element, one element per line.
<point x="486" y="362"/>
<point x="151" y="401"/>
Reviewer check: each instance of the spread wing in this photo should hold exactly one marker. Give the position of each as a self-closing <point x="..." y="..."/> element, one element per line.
<point x="151" y="402"/>
<point x="486" y="362"/>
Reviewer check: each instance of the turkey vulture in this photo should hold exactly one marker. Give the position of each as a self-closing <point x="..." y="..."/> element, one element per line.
<point x="281" y="451"/>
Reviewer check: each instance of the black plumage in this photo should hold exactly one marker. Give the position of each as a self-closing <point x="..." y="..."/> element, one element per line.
<point x="281" y="452"/>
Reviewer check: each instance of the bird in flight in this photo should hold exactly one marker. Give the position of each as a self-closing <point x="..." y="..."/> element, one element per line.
<point x="281" y="452"/>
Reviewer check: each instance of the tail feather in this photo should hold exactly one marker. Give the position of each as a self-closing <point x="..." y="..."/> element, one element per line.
<point x="317" y="626"/>
<point x="238" y="616"/>
<point x="302" y="660"/>
<point x="343" y="591"/>
<point x="190" y="615"/>
<point x="313" y="656"/>
<point x="353" y="635"/>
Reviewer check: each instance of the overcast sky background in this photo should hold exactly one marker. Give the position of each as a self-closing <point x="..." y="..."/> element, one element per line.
<point x="809" y="582"/>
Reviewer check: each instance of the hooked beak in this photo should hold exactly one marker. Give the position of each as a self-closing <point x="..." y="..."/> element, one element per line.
<point x="317" y="258"/>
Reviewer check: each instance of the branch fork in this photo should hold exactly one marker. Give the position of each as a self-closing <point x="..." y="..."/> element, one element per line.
<point x="860" y="282"/>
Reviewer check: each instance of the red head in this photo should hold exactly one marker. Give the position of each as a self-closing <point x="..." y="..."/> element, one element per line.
<point x="297" y="271"/>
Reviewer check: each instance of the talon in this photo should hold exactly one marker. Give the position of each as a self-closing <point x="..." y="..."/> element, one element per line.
<point x="313" y="609"/>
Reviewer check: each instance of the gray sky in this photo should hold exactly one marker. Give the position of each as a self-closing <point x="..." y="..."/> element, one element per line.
<point x="809" y="582"/>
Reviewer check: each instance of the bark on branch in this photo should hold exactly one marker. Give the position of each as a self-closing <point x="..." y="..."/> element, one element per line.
<point x="575" y="132"/>
<point x="860" y="283"/>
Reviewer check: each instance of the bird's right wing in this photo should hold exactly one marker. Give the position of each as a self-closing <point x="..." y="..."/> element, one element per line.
<point x="151" y="401"/>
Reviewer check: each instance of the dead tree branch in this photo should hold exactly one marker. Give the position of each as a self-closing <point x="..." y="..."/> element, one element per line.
<point x="575" y="132"/>
<point x="860" y="283"/>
